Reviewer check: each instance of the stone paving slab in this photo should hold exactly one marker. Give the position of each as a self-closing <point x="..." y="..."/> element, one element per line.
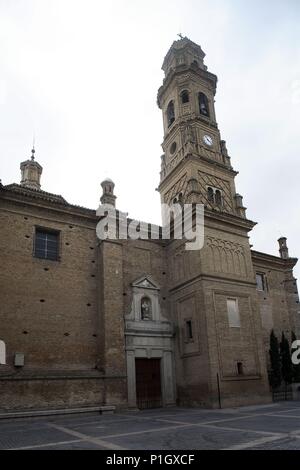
<point x="266" y="423"/>
<point x="80" y="445"/>
<point x="282" y="444"/>
<point x="180" y="439"/>
<point x="119" y="427"/>
<point x="292" y="413"/>
<point x="260" y="427"/>
<point x="24" y="438"/>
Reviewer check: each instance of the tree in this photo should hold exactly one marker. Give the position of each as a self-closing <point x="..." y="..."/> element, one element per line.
<point x="286" y="361"/>
<point x="296" y="367"/>
<point x="275" y="376"/>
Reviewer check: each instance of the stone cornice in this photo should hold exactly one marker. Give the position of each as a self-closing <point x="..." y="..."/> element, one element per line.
<point x="41" y="374"/>
<point x="211" y="277"/>
<point x="229" y="219"/>
<point x="41" y="199"/>
<point x="35" y="193"/>
<point x="193" y="157"/>
<point x="273" y="261"/>
<point x="197" y="71"/>
<point x="181" y="122"/>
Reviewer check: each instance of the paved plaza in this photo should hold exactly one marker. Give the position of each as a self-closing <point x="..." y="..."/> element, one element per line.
<point x="275" y="426"/>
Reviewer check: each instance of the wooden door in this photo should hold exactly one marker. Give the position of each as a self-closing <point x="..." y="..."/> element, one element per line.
<point x="148" y="383"/>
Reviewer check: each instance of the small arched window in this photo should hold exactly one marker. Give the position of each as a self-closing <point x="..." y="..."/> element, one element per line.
<point x="203" y="104"/>
<point x="173" y="148"/>
<point x="210" y="194"/>
<point x="170" y="113"/>
<point x="185" y="97"/>
<point x="146" y="313"/>
<point x="218" y="197"/>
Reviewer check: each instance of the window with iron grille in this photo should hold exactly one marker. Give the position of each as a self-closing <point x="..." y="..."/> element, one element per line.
<point x="233" y="313"/>
<point x="188" y="330"/>
<point x="46" y="244"/>
<point x="240" y="368"/>
<point x="261" y="282"/>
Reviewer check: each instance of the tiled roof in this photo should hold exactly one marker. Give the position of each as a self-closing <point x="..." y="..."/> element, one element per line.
<point x="44" y="195"/>
<point x="36" y="193"/>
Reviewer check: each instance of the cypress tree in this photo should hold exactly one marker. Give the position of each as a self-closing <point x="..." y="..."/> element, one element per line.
<point x="275" y="376"/>
<point x="286" y="361"/>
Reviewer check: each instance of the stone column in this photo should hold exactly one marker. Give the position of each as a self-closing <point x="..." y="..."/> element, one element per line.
<point x="131" y="379"/>
<point x="168" y="385"/>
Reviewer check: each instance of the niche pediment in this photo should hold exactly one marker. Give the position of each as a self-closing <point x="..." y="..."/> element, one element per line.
<point x="145" y="282"/>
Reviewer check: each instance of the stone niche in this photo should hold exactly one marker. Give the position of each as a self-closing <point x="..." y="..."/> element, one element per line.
<point x="149" y="336"/>
<point x="145" y="292"/>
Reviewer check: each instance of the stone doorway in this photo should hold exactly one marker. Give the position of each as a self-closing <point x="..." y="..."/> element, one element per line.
<point x="149" y="349"/>
<point x="148" y="383"/>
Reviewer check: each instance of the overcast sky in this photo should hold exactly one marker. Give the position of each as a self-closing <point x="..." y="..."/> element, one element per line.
<point x="82" y="75"/>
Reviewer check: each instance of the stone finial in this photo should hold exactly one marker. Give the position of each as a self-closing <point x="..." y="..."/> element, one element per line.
<point x="240" y="205"/>
<point x="224" y="150"/>
<point x="108" y="196"/>
<point x="239" y="201"/>
<point x="283" y="248"/>
<point x="31" y="172"/>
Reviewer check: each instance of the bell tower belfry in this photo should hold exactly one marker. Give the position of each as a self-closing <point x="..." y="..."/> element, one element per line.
<point x="195" y="165"/>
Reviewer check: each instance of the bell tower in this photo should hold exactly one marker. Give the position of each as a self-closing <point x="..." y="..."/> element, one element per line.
<point x="212" y="290"/>
<point x="195" y="166"/>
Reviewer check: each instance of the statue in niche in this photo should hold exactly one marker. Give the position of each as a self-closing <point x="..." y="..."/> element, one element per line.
<point x="189" y="139"/>
<point x="163" y="162"/>
<point x="146" y="309"/>
<point x="224" y="148"/>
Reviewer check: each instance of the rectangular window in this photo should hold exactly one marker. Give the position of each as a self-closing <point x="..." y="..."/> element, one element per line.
<point x="189" y="329"/>
<point x="46" y="244"/>
<point x="260" y="281"/>
<point x="240" y="368"/>
<point x="233" y="313"/>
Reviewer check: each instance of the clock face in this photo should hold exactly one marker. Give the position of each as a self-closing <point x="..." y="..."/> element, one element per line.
<point x="207" y="140"/>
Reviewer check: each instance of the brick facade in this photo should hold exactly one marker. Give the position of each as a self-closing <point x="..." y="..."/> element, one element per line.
<point x="77" y="320"/>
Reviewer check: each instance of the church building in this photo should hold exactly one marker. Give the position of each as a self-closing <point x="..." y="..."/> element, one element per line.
<point x="142" y="323"/>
